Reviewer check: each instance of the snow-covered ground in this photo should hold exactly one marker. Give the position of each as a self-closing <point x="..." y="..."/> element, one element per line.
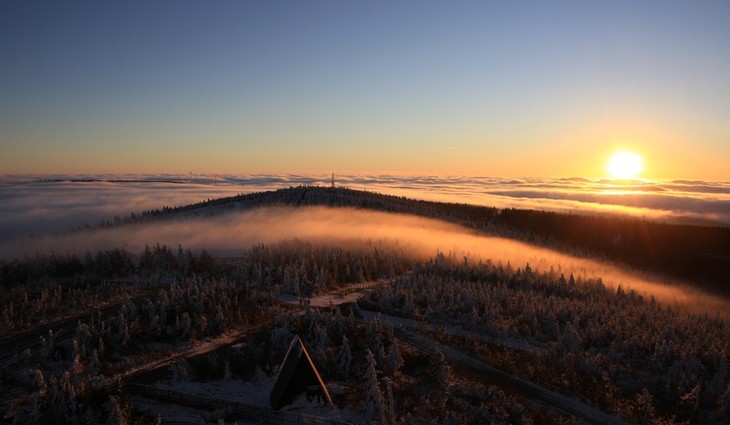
<point x="323" y="301"/>
<point x="193" y="349"/>
<point x="509" y="342"/>
<point x="169" y="413"/>
<point x="345" y="295"/>
<point x="254" y="393"/>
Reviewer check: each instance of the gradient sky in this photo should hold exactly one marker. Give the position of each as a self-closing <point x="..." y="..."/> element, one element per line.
<point x="503" y="88"/>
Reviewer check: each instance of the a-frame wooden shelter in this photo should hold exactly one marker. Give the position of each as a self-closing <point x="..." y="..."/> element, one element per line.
<point x="297" y="375"/>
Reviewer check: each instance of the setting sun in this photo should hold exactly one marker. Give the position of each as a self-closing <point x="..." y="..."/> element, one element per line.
<point x="625" y="165"/>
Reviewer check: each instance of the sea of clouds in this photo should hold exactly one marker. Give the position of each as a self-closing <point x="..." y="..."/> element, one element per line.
<point x="35" y="205"/>
<point x="36" y="211"/>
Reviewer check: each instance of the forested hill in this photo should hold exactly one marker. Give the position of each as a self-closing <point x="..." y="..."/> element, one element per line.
<point x="697" y="254"/>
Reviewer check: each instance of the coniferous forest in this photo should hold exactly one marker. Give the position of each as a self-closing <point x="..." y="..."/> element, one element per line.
<point x="115" y="336"/>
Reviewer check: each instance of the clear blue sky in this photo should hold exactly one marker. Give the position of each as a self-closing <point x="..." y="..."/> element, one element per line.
<point x="479" y="88"/>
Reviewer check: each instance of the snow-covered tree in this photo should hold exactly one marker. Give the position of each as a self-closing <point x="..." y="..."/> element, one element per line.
<point x="374" y="404"/>
<point x="438" y="366"/>
<point x="394" y="360"/>
<point x="116" y="414"/>
<point x="571" y="340"/>
<point x="179" y="370"/>
<point x="344" y="358"/>
<point x="94" y="364"/>
<point x="202" y="325"/>
<point x="39" y="381"/>
<point x="184" y="326"/>
<point x="391" y="401"/>
<point x="227" y="372"/>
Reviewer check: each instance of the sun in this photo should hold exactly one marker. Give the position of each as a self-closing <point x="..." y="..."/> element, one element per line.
<point x="625" y="165"/>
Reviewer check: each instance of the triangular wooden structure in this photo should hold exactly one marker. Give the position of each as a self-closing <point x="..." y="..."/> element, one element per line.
<point x="297" y="375"/>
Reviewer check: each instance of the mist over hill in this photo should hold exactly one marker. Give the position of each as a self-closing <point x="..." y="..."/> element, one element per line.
<point x="694" y="253"/>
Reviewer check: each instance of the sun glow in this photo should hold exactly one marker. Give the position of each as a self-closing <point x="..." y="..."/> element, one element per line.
<point x="625" y="165"/>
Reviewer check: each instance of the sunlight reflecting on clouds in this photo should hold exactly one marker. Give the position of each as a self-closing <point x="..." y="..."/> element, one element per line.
<point x="35" y="205"/>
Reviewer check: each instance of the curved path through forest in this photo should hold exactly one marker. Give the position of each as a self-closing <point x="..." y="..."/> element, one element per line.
<point x="531" y="391"/>
<point x="406" y="331"/>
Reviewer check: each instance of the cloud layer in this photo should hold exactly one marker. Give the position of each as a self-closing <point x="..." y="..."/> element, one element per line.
<point x="36" y="205"/>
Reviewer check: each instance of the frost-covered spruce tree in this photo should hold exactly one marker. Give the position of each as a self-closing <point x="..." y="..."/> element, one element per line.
<point x="179" y="370"/>
<point x="374" y="403"/>
<point x="379" y="352"/>
<point x="60" y="401"/>
<point x="724" y="403"/>
<point x="154" y="327"/>
<point x="125" y="335"/>
<point x="39" y="381"/>
<point x="344" y="358"/>
<point x="336" y="326"/>
<point x="34" y="415"/>
<point x="391" y="400"/>
<point x="281" y="337"/>
<point x="6" y="319"/>
<point x="571" y="340"/>
<point x="227" y="373"/>
<point x="101" y="348"/>
<point x="48" y="346"/>
<point x="202" y="324"/>
<point x="185" y="325"/>
<point x="716" y="385"/>
<point x="116" y="415"/>
<point x="438" y="367"/>
<point x="94" y="364"/>
<point x="394" y="360"/>
<point x="83" y="335"/>
<point x="317" y="337"/>
<point x="76" y="366"/>
<point x="219" y="321"/>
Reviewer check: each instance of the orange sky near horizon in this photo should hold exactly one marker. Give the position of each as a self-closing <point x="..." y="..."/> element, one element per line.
<point x="660" y="161"/>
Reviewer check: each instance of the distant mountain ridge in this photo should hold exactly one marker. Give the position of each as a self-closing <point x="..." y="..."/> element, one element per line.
<point x="693" y="253"/>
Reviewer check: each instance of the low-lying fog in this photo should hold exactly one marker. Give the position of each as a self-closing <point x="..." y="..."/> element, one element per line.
<point x="49" y="203"/>
<point x="232" y="233"/>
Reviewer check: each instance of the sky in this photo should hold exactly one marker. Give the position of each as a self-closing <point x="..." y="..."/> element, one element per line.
<point x="483" y="88"/>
